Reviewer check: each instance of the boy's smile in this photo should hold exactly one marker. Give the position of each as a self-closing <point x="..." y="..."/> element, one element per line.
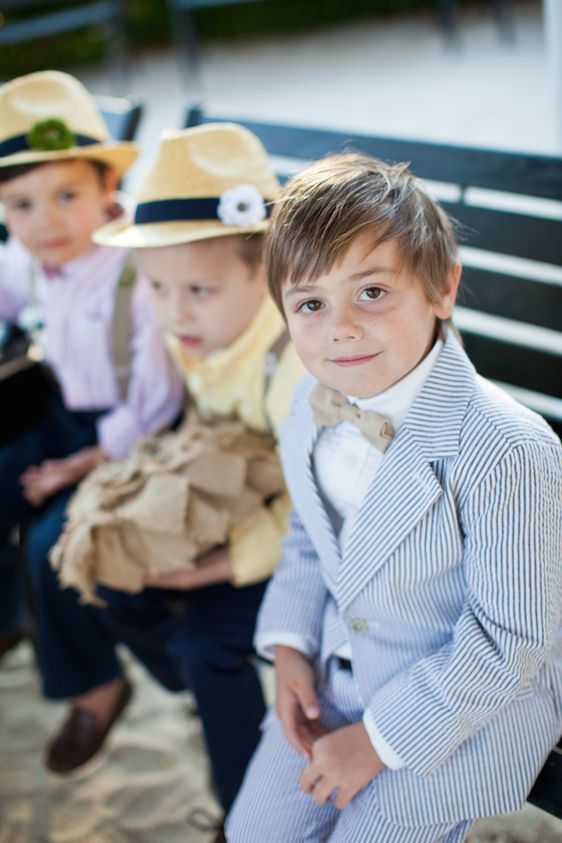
<point x="54" y="209"/>
<point x="204" y="292"/>
<point x="366" y="323"/>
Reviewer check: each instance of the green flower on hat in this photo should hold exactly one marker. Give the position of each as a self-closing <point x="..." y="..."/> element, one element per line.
<point x="50" y="135"/>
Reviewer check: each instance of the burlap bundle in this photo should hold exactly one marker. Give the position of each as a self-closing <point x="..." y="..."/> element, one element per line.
<point x="178" y="495"/>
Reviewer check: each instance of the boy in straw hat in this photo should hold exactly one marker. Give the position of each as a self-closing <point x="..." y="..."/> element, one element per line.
<point x="199" y="224"/>
<point x="58" y="174"/>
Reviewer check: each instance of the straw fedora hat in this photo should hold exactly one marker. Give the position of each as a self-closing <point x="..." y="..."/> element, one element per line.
<point x="50" y="116"/>
<point x="210" y="181"/>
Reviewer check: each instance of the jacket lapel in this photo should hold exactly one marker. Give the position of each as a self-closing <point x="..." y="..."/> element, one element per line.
<point x="405" y="486"/>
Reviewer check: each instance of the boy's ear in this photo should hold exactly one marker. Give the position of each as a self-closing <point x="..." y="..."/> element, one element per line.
<point x="110" y="181"/>
<point x="446" y="304"/>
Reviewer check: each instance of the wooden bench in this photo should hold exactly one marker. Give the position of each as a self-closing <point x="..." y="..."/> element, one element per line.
<point x="510" y="304"/>
<point x="25" y="21"/>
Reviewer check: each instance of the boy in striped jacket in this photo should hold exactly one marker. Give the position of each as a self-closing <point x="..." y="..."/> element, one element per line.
<point x="414" y="618"/>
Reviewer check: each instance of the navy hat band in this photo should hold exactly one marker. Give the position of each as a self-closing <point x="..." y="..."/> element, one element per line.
<point x="182" y="210"/>
<point x="20" y="143"/>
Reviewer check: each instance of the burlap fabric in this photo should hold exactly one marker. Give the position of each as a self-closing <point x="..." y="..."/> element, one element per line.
<point x="178" y="495"/>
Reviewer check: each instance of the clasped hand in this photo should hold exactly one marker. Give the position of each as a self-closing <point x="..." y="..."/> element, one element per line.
<point x="212" y="568"/>
<point x="40" y="482"/>
<point x="340" y="763"/>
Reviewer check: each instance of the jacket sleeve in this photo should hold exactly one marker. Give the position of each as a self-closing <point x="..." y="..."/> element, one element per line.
<point x="295" y="598"/>
<point x="155" y="395"/>
<point x="512" y="524"/>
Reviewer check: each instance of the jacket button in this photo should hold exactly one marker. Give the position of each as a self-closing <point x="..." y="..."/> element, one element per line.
<point x="359" y="625"/>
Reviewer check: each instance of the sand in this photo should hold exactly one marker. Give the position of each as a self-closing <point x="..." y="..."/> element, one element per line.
<point x="148" y="780"/>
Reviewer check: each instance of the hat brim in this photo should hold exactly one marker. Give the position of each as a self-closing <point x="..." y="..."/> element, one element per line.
<point x="119" y="156"/>
<point x="126" y="235"/>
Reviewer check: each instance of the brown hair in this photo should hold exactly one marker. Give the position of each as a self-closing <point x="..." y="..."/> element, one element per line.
<point x="323" y="209"/>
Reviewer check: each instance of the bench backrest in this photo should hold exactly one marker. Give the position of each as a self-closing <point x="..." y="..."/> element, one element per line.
<point x="510" y="207"/>
<point x="44" y="21"/>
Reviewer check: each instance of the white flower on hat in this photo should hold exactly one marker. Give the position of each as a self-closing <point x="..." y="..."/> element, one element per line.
<point x="241" y="205"/>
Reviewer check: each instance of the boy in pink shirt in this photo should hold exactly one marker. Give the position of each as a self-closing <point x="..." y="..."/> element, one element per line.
<point x="58" y="175"/>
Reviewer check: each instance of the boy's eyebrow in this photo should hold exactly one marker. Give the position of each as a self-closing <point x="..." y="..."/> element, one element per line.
<point x="300" y="288"/>
<point x="26" y="193"/>
<point x="357" y="276"/>
<point x="373" y="270"/>
<point x="70" y="183"/>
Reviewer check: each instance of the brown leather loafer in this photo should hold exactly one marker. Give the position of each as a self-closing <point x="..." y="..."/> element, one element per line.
<point x="80" y="736"/>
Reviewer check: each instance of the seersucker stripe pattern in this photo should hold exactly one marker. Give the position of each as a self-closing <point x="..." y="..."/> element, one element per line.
<point x="271" y="807"/>
<point x="449" y="593"/>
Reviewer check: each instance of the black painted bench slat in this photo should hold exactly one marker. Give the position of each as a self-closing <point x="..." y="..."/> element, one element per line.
<point x="56" y="22"/>
<point x="509" y="310"/>
<point x="539" y="175"/>
<point x="511" y="297"/>
<point x="519" y="235"/>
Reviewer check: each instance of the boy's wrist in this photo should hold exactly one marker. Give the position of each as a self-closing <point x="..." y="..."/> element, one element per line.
<point x="285" y="651"/>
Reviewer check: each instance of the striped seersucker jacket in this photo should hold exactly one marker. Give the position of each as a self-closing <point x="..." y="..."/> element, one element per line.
<point x="450" y="593"/>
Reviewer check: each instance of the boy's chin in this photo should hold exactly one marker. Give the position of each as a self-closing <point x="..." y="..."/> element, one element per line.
<point x="353" y="389"/>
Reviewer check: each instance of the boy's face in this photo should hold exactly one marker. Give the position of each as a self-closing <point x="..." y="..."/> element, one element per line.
<point x="204" y="292"/>
<point x="366" y="323"/>
<point x="54" y="209"/>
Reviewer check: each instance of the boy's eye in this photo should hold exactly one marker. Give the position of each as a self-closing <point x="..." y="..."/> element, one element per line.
<point x="158" y="288"/>
<point x="200" y="291"/>
<point x="67" y="196"/>
<point x="371" y="293"/>
<point x="20" y="205"/>
<point x="310" y="306"/>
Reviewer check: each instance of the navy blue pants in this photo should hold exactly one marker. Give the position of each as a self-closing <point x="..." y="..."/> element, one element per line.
<point x="13" y="613"/>
<point x="201" y="640"/>
<point x="76" y="652"/>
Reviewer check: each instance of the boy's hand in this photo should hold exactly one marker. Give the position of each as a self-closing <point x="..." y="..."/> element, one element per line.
<point x="295" y="699"/>
<point x="40" y="482"/>
<point x="214" y="567"/>
<point x="342" y="762"/>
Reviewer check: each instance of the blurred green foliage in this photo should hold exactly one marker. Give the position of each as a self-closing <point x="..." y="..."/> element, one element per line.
<point x="147" y="24"/>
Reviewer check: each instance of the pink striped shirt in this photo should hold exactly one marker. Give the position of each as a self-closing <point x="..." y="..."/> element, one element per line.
<point x="77" y="307"/>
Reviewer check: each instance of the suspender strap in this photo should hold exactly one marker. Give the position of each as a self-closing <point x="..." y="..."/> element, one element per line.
<point x="272" y="358"/>
<point x="121" y="328"/>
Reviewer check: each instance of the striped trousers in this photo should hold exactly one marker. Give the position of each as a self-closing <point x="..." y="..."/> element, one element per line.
<point x="271" y="807"/>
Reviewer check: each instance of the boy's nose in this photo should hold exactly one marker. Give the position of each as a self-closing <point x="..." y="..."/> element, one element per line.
<point x="345" y="329"/>
<point x="182" y="310"/>
<point x="47" y="217"/>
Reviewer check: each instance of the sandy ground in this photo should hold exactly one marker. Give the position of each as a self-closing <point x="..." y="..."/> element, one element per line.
<point x="144" y="786"/>
<point x="141" y="789"/>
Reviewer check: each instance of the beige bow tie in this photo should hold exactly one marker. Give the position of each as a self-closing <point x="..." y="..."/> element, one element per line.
<point x="331" y="407"/>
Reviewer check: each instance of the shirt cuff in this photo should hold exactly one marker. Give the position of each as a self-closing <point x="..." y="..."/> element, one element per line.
<point x="118" y="430"/>
<point x="265" y="644"/>
<point x="382" y="748"/>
